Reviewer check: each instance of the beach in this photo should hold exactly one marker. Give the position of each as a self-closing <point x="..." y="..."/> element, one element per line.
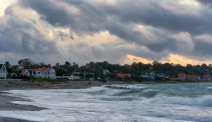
<point x="10" y="85"/>
<point x="7" y="105"/>
<point x="182" y="102"/>
<point x="6" y="100"/>
<point x="68" y="92"/>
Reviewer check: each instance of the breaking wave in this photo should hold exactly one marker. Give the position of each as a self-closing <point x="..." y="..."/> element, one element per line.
<point x="149" y="103"/>
<point x="205" y="101"/>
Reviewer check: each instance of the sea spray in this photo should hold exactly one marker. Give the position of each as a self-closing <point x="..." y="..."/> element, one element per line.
<point x="153" y="102"/>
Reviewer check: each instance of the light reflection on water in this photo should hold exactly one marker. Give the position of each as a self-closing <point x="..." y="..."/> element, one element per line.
<point x="130" y="103"/>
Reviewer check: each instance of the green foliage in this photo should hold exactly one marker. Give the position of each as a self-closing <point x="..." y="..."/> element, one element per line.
<point x="106" y="70"/>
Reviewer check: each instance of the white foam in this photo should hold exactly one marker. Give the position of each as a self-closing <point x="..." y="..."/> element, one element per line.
<point x="89" y="105"/>
<point x="205" y="101"/>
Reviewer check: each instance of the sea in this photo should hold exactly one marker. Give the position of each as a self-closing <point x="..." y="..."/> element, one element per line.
<point x="186" y="102"/>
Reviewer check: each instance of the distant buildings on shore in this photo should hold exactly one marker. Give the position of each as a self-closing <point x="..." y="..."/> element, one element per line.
<point x="180" y="77"/>
<point x="123" y="75"/>
<point x="104" y="71"/>
<point x="39" y="73"/>
<point x="185" y="77"/>
<point x="152" y="76"/>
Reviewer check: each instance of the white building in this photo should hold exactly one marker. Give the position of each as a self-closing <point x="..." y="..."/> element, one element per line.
<point x="74" y="77"/>
<point x="3" y="71"/>
<point x="39" y="73"/>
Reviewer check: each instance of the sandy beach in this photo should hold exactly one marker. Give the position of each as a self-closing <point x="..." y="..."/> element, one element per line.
<point x="6" y="104"/>
<point x="10" y="85"/>
<point x="2" y="119"/>
<point x="6" y="99"/>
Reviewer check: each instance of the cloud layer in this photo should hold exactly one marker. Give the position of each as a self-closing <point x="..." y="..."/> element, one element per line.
<point x="98" y="30"/>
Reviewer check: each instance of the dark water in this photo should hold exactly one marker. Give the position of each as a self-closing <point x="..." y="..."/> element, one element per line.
<point x="131" y="103"/>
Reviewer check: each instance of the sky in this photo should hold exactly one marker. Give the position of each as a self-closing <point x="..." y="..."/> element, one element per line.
<point x="117" y="31"/>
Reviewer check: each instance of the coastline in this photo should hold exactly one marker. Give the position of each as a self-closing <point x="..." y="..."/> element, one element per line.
<point x="5" y="119"/>
<point x="33" y="85"/>
<point x="6" y="99"/>
<point x="7" y="105"/>
<point x="23" y="85"/>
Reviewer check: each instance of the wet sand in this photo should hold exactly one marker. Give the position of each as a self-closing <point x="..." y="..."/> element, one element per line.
<point x="5" y="104"/>
<point x="6" y="99"/>
<point x="10" y="85"/>
<point x="4" y="119"/>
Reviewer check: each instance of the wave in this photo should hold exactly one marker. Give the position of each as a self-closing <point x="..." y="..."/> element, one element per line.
<point x="210" y="87"/>
<point x="131" y="90"/>
<point x="204" y="101"/>
<point x="122" y="102"/>
<point x="159" y="96"/>
<point x="134" y="87"/>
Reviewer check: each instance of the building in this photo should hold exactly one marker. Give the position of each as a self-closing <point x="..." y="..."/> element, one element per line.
<point x="3" y="71"/>
<point x="44" y="73"/>
<point x="192" y="77"/>
<point x="39" y="73"/>
<point x="123" y="75"/>
<point x="206" y="77"/>
<point x="76" y="76"/>
<point x="105" y="72"/>
<point x="148" y="76"/>
<point x="181" y="77"/>
<point x="25" y="72"/>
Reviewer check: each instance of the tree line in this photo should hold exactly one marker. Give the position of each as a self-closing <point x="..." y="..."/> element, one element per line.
<point x="98" y="68"/>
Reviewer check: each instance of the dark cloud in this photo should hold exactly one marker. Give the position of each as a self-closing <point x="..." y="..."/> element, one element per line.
<point x="15" y="39"/>
<point x="165" y="18"/>
<point x="157" y="16"/>
<point x="54" y="15"/>
<point x="208" y="2"/>
<point x="20" y="37"/>
<point x="117" y="19"/>
<point x="94" y="16"/>
<point x="203" y="48"/>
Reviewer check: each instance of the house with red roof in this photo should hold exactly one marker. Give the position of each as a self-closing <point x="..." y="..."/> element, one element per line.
<point x="192" y="77"/>
<point x="206" y="77"/>
<point x="123" y="75"/>
<point x="39" y="73"/>
<point x="25" y="72"/>
<point x="181" y="77"/>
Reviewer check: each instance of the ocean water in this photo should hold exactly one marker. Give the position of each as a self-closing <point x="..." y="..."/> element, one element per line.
<point x="191" y="102"/>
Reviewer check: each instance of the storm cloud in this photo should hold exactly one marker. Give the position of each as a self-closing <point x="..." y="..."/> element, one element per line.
<point x="151" y="29"/>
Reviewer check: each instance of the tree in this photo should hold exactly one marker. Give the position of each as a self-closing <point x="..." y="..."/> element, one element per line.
<point x="67" y="63"/>
<point x="155" y="62"/>
<point x="26" y="63"/>
<point x="7" y="63"/>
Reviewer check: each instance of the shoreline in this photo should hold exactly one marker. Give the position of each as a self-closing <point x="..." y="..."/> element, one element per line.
<point x="7" y="105"/>
<point x="6" y="99"/>
<point x="38" y="85"/>
<point x="7" y="119"/>
<point x="34" y="85"/>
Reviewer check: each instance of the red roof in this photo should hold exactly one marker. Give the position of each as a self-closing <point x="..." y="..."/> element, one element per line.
<point x="123" y="75"/>
<point x="24" y="70"/>
<point x="42" y="69"/>
<point x="181" y="76"/>
<point x="206" y="77"/>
